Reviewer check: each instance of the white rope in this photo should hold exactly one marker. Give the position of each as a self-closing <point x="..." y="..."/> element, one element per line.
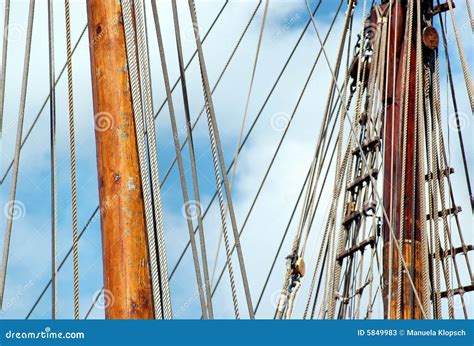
<point x="145" y="82"/>
<point x="142" y="154"/>
<point x="365" y="162"/>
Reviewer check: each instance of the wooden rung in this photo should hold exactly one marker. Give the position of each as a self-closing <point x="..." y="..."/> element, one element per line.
<point x="363" y="179"/>
<point x="445" y="173"/>
<point x="453" y="210"/>
<point x="455" y="291"/>
<point x="357" y="214"/>
<point x="369" y="145"/>
<point x="358" y="247"/>
<point x="457" y="250"/>
<point x="441" y="8"/>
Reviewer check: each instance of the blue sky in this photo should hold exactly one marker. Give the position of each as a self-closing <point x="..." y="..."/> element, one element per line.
<point x="29" y="267"/>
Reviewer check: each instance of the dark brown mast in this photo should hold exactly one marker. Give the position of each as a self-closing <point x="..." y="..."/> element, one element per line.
<point x="394" y="198"/>
<point x="127" y="282"/>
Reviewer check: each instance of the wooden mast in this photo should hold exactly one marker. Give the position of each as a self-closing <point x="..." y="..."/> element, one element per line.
<point x="127" y="281"/>
<point x="393" y="157"/>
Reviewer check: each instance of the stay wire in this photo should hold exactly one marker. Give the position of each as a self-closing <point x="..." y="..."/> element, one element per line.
<point x="95" y="213"/>
<point x="192" y="157"/>
<point x="146" y="88"/>
<point x="138" y="116"/>
<point x="242" y="127"/>
<point x="372" y="180"/>
<point x="35" y="121"/>
<point x="3" y="72"/>
<point x="184" y="188"/>
<point x="456" y="112"/>
<point x="214" y="133"/>
<point x="52" y="121"/>
<point x="249" y="132"/>
<point x="16" y="162"/>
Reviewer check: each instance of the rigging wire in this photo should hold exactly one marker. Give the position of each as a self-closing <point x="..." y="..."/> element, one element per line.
<point x="462" y="57"/>
<point x="52" y="120"/>
<point x="150" y="216"/>
<point x="95" y="213"/>
<point x="365" y="162"/>
<point x="145" y="79"/>
<point x="249" y="132"/>
<point x="271" y="165"/>
<point x="16" y="162"/>
<point x="61" y="264"/>
<point x="43" y="106"/>
<point x="183" y="146"/>
<point x="72" y="151"/>
<point x="3" y="72"/>
<point x="455" y="108"/>
<point x="291" y="283"/>
<point x="192" y="157"/>
<point x="291" y="219"/>
<point x="215" y="142"/>
<point x="35" y="121"/>
<point x="184" y="188"/>
<point x="242" y="127"/>
<point x="469" y="14"/>
<point x="262" y="183"/>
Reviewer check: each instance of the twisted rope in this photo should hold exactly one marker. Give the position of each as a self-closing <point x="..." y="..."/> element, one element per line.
<point x="142" y="152"/>
<point x="145" y="83"/>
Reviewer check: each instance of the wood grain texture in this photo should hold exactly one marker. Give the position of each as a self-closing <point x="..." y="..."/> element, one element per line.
<point x="394" y="198"/>
<point x="127" y="282"/>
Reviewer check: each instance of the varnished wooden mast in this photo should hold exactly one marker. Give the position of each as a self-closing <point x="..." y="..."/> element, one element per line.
<point x="407" y="199"/>
<point x="127" y="282"/>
